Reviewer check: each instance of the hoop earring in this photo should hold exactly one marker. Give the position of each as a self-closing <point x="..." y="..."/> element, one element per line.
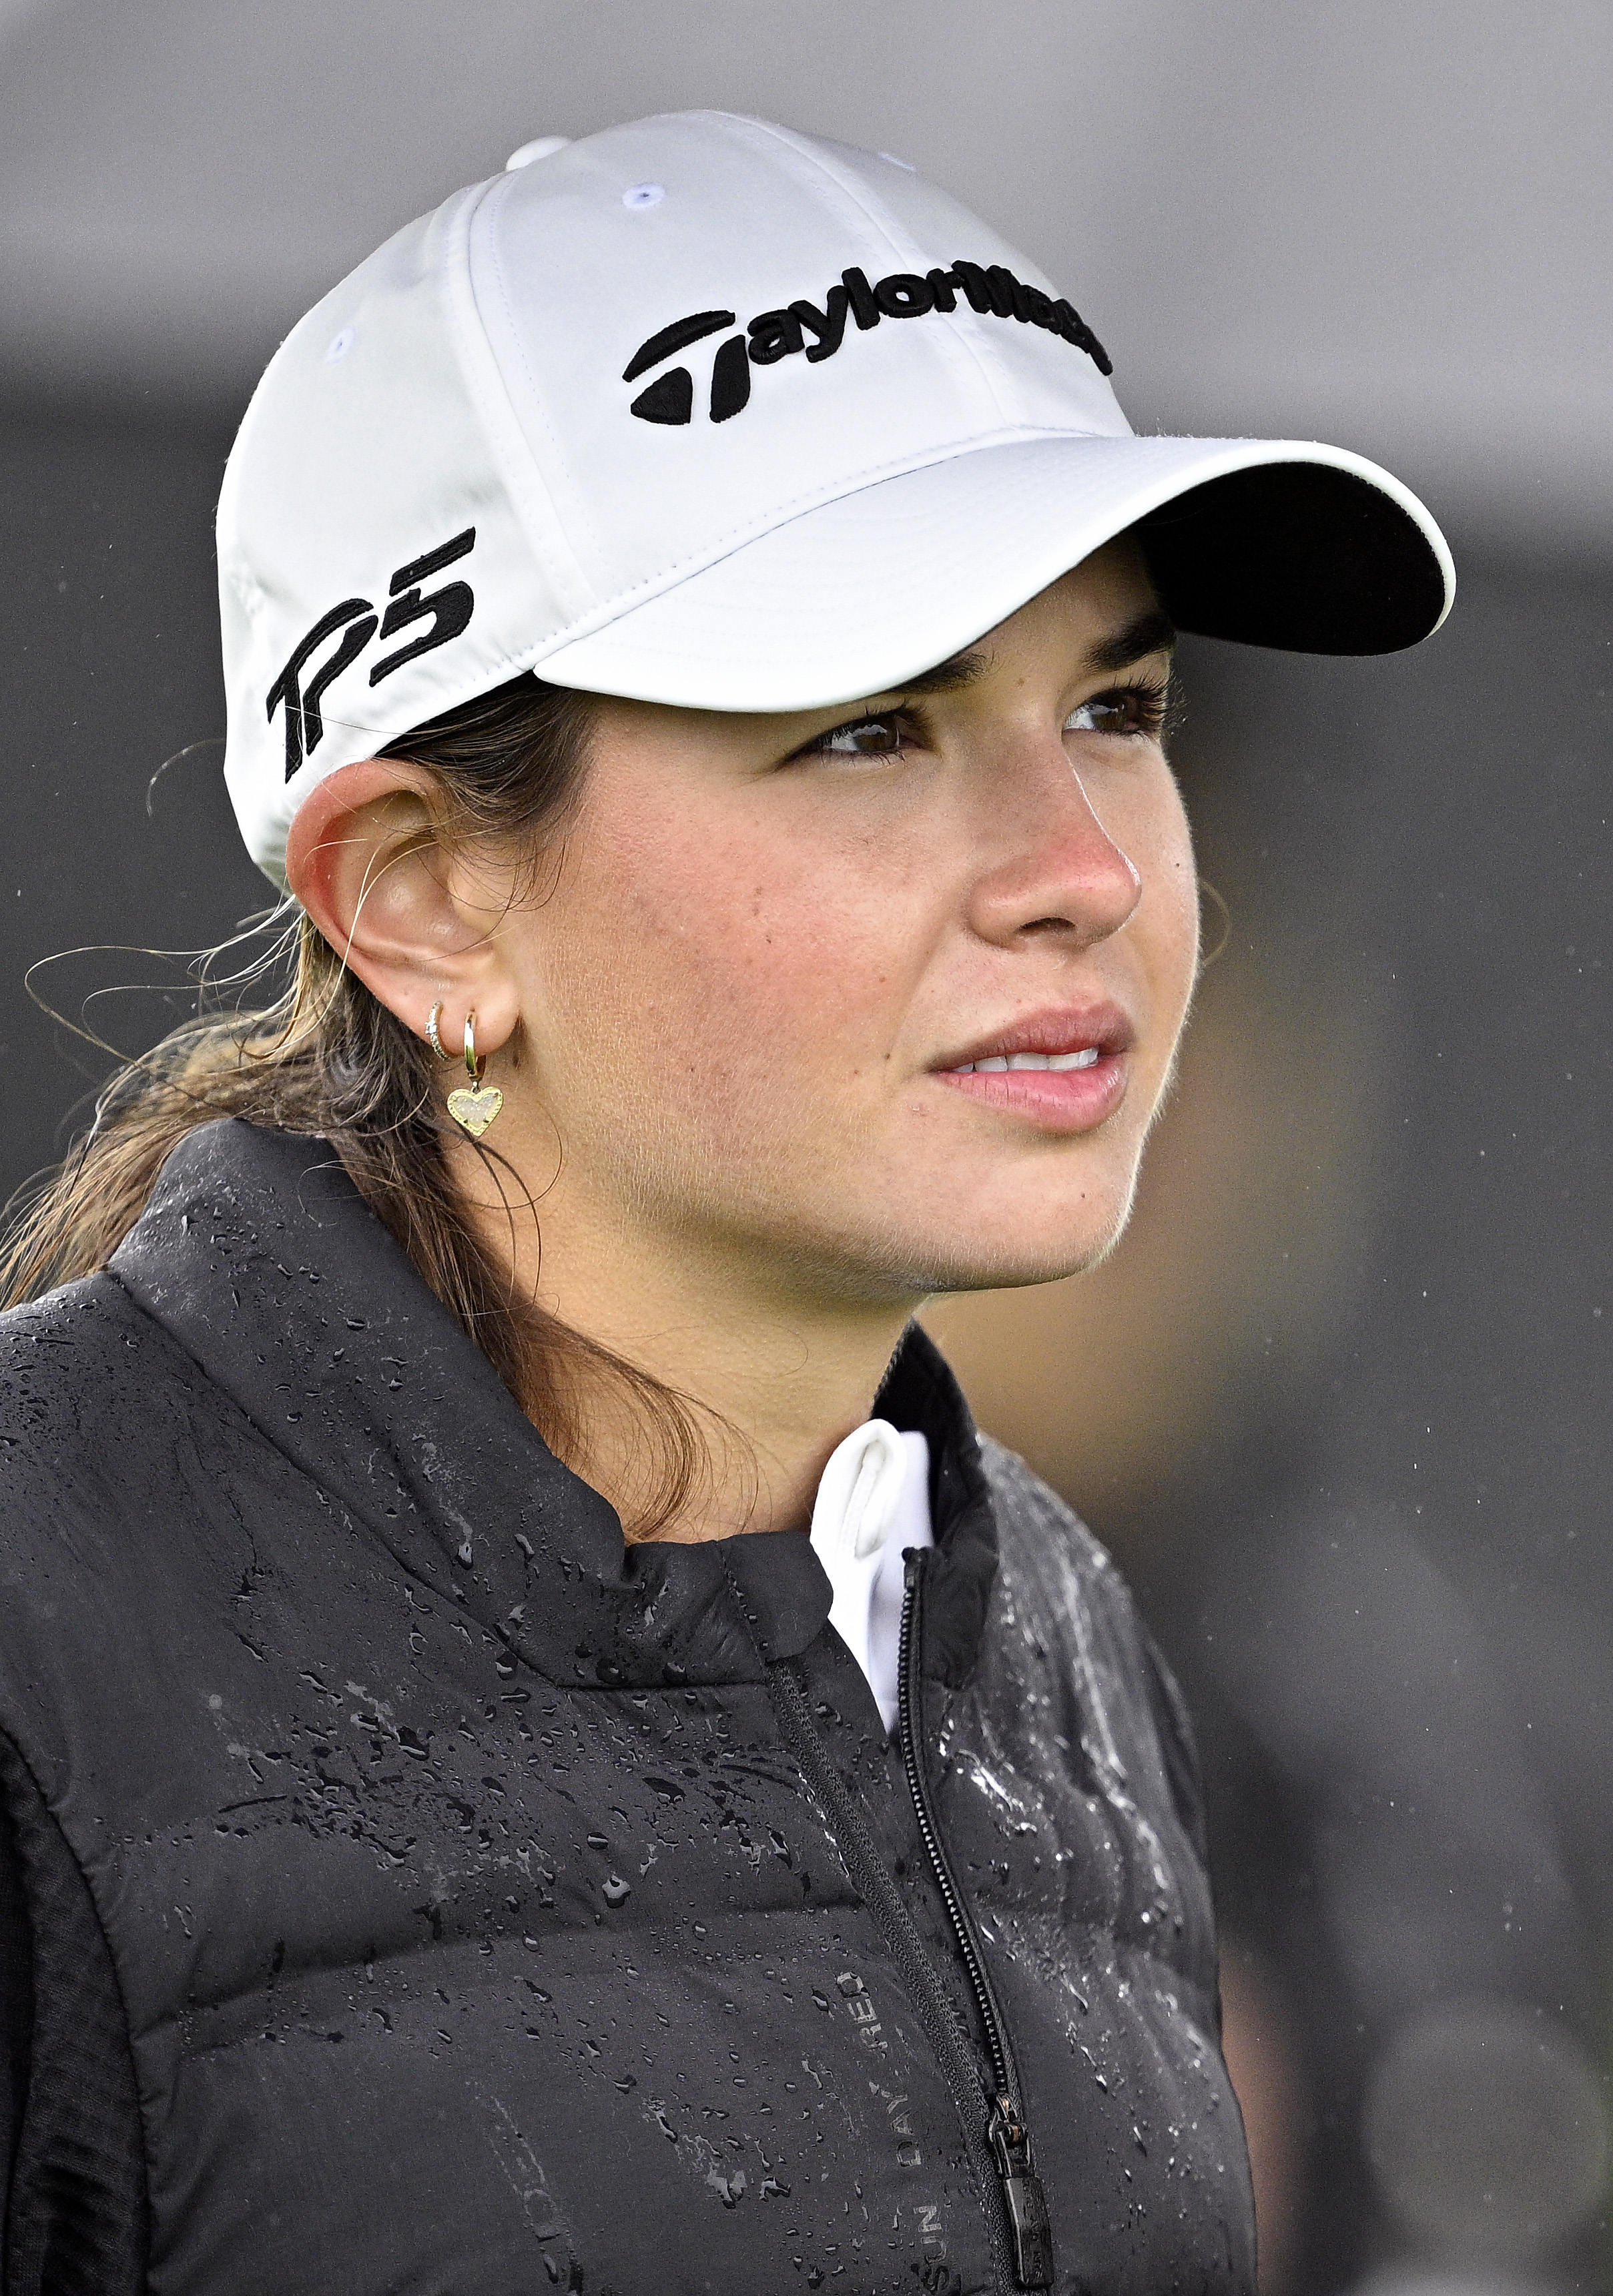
<point x="431" y="1030"/>
<point x="475" y="1107"/>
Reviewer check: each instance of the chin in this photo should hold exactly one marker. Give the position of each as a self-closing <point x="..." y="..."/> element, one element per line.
<point x="1013" y="1269"/>
<point x="929" y="1267"/>
<point x="1020" y="1243"/>
<point x="986" y="1237"/>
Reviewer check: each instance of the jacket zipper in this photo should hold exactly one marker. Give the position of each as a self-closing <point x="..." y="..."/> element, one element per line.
<point x="1007" y="2134"/>
<point x="871" y="1879"/>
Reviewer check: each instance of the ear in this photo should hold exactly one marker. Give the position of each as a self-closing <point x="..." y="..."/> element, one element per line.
<point x="368" y="861"/>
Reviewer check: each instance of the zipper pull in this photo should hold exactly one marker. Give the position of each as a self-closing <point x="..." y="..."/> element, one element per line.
<point x="1021" y="2193"/>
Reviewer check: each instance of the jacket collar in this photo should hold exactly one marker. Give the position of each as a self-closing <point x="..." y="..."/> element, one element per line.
<point x="258" y="1255"/>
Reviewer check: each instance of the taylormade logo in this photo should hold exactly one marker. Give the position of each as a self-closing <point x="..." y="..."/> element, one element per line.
<point x="801" y="326"/>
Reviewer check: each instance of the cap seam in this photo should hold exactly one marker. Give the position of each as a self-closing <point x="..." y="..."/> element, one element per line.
<point x="542" y="549"/>
<point x="971" y="336"/>
<point x="535" y="396"/>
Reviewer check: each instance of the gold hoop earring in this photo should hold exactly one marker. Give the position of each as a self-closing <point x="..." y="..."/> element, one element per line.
<point x="431" y="1030"/>
<point x="475" y="1107"/>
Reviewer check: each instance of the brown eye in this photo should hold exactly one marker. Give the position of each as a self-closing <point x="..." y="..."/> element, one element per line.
<point x="1124" y="710"/>
<point x="869" y="737"/>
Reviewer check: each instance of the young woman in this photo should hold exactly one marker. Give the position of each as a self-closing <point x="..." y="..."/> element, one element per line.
<point x="540" y="1747"/>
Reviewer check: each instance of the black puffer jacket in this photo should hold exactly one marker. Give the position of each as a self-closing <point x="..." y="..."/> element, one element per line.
<point x="407" y="1889"/>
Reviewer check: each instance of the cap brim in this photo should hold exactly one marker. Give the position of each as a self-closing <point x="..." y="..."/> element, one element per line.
<point x="1274" y="542"/>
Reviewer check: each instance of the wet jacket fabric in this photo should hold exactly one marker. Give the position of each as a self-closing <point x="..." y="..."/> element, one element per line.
<point x="405" y="1886"/>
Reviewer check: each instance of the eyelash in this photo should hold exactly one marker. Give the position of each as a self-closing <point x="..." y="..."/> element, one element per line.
<point x="1148" y="700"/>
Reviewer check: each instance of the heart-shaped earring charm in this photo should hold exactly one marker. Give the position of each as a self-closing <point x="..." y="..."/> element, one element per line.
<point x="474" y="1112"/>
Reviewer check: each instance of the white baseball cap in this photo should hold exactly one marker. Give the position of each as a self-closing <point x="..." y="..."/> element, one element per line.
<point x="704" y="411"/>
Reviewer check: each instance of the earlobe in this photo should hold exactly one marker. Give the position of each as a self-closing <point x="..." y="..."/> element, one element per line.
<point x="366" y="860"/>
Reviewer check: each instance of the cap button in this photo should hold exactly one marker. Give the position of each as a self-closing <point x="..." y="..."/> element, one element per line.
<point x="540" y="148"/>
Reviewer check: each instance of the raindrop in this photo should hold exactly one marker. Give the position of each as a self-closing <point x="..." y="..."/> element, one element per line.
<point x="616" y="1890"/>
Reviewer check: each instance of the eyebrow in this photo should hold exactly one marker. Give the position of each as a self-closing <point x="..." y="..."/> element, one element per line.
<point x="1152" y="632"/>
<point x="949" y="676"/>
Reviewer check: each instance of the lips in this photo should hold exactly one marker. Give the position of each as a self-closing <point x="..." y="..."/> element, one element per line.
<point x="997" y="1061"/>
<point x="1061" y="1071"/>
<point x="1073" y="1038"/>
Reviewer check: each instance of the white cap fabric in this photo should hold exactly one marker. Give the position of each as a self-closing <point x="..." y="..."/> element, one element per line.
<point x="706" y="412"/>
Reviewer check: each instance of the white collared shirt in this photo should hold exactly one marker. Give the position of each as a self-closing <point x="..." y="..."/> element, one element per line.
<point x="873" y="1503"/>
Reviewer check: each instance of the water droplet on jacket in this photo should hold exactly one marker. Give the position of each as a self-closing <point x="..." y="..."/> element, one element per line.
<point x="615" y="1890"/>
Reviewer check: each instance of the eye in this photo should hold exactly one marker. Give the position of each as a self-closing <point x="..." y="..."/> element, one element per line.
<point x="1124" y="710"/>
<point x="863" y="737"/>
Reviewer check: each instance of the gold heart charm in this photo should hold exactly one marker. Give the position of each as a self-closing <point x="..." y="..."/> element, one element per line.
<point x="476" y="1110"/>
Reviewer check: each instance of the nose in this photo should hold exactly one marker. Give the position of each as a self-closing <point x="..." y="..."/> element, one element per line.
<point x="1052" y="867"/>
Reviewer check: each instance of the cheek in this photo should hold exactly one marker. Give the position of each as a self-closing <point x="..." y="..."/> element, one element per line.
<point x="1167" y="917"/>
<point x="728" y="968"/>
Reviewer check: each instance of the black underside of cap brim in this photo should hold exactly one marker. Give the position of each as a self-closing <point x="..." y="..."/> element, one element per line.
<point x="1295" y="555"/>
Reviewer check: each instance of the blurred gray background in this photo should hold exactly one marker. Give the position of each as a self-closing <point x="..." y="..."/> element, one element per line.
<point x="1340" y="1402"/>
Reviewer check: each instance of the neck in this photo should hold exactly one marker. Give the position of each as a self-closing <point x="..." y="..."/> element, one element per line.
<point x="774" y="1371"/>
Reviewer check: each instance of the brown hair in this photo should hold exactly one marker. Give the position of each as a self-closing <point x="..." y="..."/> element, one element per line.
<point x="327" y="1058"/>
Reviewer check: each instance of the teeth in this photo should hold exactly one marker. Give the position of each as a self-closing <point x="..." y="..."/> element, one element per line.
<point x="1085" y="1059"/>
